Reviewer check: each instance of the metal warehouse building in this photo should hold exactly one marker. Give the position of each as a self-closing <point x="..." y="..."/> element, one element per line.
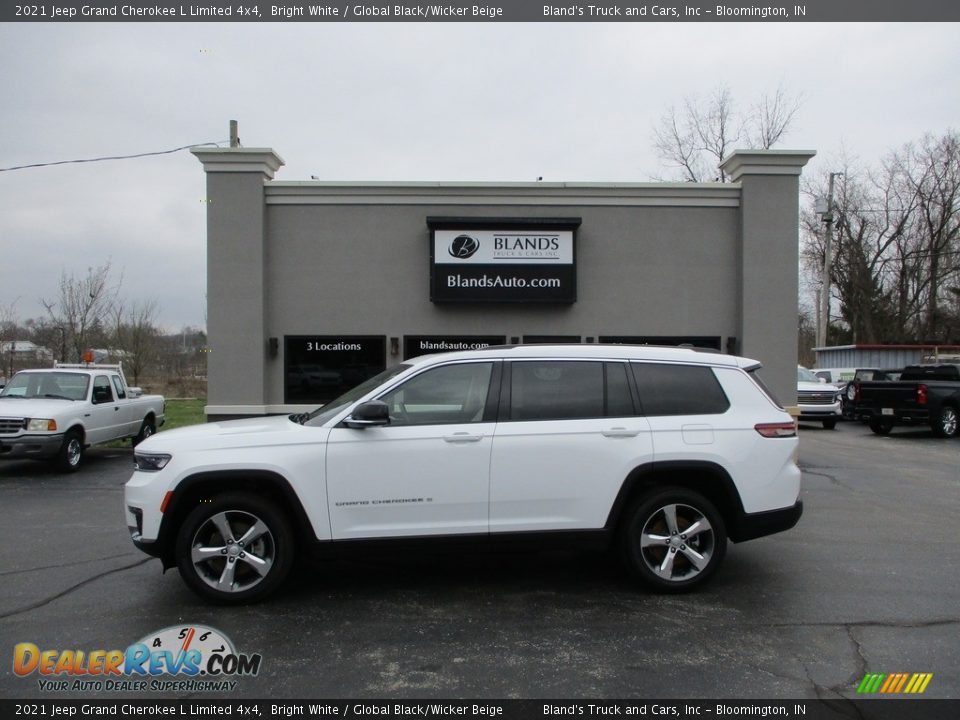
<point x="314" y="286"/>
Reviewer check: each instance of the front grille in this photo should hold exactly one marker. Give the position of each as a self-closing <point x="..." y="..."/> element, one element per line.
<point x="816" y="398"/>
<point x="11" y="426"/>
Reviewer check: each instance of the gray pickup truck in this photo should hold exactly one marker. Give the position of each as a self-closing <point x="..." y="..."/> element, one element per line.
<point x="924" y="395"/>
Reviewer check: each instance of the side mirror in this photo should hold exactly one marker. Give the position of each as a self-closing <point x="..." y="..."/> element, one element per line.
<point x="368" y="414"/>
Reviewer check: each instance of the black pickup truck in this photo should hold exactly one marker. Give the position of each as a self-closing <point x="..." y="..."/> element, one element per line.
<point x="924" y="395"/>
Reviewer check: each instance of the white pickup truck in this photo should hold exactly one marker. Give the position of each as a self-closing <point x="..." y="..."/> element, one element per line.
<point x="55" y="414"/>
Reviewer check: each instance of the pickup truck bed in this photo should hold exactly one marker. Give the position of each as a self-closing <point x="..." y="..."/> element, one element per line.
<point x="924" y="395"/>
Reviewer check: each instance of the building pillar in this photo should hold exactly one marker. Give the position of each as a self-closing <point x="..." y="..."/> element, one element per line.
<point x="769" y="261"/>
<point x="236" y="292"/>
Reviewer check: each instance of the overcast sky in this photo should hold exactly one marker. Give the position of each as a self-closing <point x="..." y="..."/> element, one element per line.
<point x="511" y="102"/>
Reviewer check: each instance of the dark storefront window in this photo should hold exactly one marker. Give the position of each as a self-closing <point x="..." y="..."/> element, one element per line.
<point x="551" y="339"/>
<point x="711" y="342"/>
<point x="318" y="368"/>
<point x="416" y="345"/>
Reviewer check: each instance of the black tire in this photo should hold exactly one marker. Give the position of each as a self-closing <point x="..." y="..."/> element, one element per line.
<point x="947" y="422"/>
<point x="829" y="424"/>
<point x="881" y="427"/>
<point x="69" y="457"/>
<point x="146" y="430"/>
<point x="273" y="549"/>
<point x="650" y="517"/>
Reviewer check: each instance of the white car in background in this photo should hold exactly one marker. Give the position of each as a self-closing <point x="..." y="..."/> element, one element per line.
<point x="817" y="399"/>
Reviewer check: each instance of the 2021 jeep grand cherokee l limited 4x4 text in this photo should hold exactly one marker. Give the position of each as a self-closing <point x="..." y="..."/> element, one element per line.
<point x="664" y="453"/>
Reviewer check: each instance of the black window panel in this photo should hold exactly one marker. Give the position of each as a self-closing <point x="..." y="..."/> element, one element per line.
<point x="678" y="390"/>
<point x="319" y="368"/>
<point x="619" y="397"/>
<point x="551" y="339"/>
<point x="416" y="345"/>
<point x="711" y="342"/>
<point x="556" y="390"/>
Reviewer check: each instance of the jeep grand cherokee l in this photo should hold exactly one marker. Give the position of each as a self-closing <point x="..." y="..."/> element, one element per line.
<point x="663" y="453"/>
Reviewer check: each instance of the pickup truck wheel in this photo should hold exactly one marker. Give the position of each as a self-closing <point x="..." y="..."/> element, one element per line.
<point x="146" y="430"/>
<point x="70" y="455"/>
<point x="945" y="426"/>
<point x="881" y="427"/>
<point x="236" y="549"/>
<point x="673" y="539"/>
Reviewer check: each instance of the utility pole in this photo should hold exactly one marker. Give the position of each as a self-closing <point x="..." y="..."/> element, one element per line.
<point x="824" y="314"/>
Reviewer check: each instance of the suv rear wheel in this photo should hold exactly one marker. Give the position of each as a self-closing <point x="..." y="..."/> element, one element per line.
<point x="673" y="539"/>
<point x="237" y="548"/>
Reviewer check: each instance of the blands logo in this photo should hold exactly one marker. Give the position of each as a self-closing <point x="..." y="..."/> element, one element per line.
<point x="464" y="246"/>
<point x="894" y="683"/>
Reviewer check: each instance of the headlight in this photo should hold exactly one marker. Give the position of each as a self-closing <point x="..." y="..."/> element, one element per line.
<point x="150" y="463"/>
<point x="41" y="424"/>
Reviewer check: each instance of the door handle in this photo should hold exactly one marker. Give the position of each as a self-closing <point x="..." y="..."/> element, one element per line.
<point x="116" y="409"/>
<point x="619" y="432"/>
<point x="462" y="437"/>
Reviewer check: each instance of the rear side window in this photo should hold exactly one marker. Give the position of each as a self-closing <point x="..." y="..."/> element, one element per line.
<point x="678" y="390"/>
<point x="755" y="376"/>
<point x="119" y="386"/>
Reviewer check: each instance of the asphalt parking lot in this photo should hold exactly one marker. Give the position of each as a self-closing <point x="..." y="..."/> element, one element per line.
<point x="867" y="582"/>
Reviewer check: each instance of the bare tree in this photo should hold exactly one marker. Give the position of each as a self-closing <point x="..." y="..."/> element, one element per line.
<point x="82" y="306"/>
<point x="771" y="117"/>
<point x="8" y="337"/>
<point x="136" y="336"/>
<point x="695" y="138"/>
<point x="896" y="269"/>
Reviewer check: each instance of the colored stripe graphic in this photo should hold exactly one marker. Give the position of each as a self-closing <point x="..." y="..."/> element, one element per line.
<point x="894" y="683"/>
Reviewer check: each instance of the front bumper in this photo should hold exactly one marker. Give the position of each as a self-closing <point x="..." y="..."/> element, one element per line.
<point x="30" y="446"/>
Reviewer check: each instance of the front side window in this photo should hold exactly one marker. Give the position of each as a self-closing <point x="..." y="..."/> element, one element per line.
<point x="556" y="390"/>
<point x="678" y="390"/>
<point x="101" y="390"/>
<point x="450" y="394"/>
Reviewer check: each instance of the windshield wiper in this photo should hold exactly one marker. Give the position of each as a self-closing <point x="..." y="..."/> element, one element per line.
<point x="58" y="397"/>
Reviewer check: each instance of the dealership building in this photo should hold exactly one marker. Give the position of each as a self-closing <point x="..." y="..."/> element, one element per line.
<point x="315" y="286"/>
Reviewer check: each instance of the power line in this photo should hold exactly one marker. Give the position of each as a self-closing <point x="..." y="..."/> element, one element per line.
<point x="110" y="157"/>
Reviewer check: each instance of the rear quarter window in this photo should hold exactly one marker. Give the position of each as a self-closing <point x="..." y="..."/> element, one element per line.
<point x="678" y="390"/>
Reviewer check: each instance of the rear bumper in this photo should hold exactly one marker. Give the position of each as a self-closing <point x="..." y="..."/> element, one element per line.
<point x="30" y="446"/>
<point x="754" y="525"/>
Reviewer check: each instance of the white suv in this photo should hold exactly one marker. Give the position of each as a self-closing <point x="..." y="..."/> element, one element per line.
<point x="663" y="453"/>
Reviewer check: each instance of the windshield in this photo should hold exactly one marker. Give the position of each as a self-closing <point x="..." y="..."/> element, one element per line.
<point x="56" y="385"/>
<point x="804" y="375"/>
<point x="322" y="414"/>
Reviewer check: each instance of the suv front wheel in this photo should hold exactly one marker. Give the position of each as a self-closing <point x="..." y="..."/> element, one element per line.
<point x="673" y="539"/>
<point x="234" y="548"/>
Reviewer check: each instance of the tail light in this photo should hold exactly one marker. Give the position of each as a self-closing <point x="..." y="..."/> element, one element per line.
<point x="776" y="430"/>
<point x="921" y="394"/>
